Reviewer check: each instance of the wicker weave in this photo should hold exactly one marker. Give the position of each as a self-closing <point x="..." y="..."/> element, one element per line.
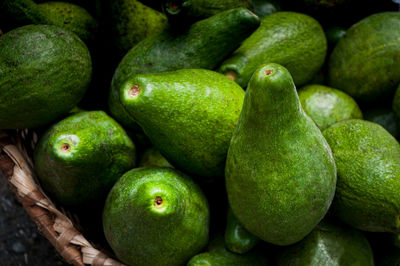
<point x="16" y="165"/>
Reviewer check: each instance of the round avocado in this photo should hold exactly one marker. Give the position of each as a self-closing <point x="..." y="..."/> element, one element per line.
<point x="327" y="106"/>
<point x="80" y="158"/>
<point x="44" y="73"/>
<point x="156" y="216"/>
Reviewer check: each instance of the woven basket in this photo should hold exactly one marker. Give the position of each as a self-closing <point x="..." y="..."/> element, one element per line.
<point x="16" y="164"/>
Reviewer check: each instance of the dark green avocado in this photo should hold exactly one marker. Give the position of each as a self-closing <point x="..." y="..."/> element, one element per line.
<point x="329" y="244"/>
<point x="204" y="45"/>
<point x="80" y="158"/>
<point x="44" y="73"/>
<point x="156" y="216"/>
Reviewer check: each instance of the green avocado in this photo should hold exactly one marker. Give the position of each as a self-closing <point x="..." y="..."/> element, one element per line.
<point x="327" y="106"/>
<point x="280" y="174"/>
<point x="365" y="63"/>
<point x="384" y="117"/>
<point x="44" y="73"/>
<point x="131" y="21"/>
<point x="368" y="164"/>
<point x="329" y="244"/>
<point x="190" y="10"/>
<point x="65" y="15"/>
<point x="218" y="255"/>
<point x="152" y="157"/>
<point x="237" y="238"/>
<point x="189" y="115"/>
<point x="156" y="216"/>
<point x="294" y="40"/>
<point x="80" y="158"/>
<point x="204" y="45"/>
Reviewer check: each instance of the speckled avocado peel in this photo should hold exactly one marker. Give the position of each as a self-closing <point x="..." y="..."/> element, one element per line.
<point x="80" y="158"/>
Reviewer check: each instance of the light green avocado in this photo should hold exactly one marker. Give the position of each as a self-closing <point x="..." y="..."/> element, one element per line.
<point x="280" y="173"/>
<point x="189" y="115"/>
<point x="365" y="62"/>
<point x="44" y="73"/>
<point x="327" y="106"/>
<point x="294" y="40"/>
<point x="152" y="157"/>
<point x="80" y="158"/>
<point x="329" y="244"/>
<point x="156" y="216"/>
<point x="368" y="163"/>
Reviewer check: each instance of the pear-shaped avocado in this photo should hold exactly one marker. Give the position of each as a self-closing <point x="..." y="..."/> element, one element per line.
<point x="80" y="158"/>
<point x="368" y="165"/>
<point x="237" y="238"/>
<point x="280" y="173"/>
<point x="153" y="157"/>
<point x="327" y="106"/>
<point x="218" y="255"/>
<point x="44" y="72"/>
<point x="294" y="40"/>
<point x="329" y="244"/>
<point x="156" y="216"/>
<point x="204" y="45"/>
<point x="189" y="115"/>
<point x="365" y="63"/>
<point x="65" y="15"/>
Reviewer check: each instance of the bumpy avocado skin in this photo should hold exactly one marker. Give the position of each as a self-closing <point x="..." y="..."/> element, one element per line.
<point x="368" y="163"/>
<point x="237" y="238"/>
<point x="384" y="117"/>
<point x="327" y="106"/>
<point x="143" y="233"/>
<point x="152" y="157"/>
<point x="80" y="158"/>
<point x="204" y="45"/>
<point x="294" y="40"/>
<point x="44" y="73"/>
<point x="329" y="244"/>
<point x="365" y="62"/>
<point x="218" y="255"/>
<point x="280" y="173"/>
<point x="189" y="115"/>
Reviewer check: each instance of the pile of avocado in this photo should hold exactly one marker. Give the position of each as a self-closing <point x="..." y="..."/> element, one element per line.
<point x="214" y="132"/>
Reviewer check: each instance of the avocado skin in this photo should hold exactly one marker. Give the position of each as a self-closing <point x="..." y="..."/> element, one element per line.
<point x="100" y="152"/>
<point x="141" y="236"/>
<point x="237" y="238"/>
<point x="368" y="163"/>
<point x="189" y="115"/>
<point x="65" y="15"/>
<point x="384" y="117"/>
<point x="365" y="63"/>
<point x="327" y="106"/>
<point x="294" y="40"/>
<point x="280" y="174"/>
<point x="218" y="255"/>
<point x="329" y="244"/>
<point x="204" y="45"/>
<point x="152" y="157"/>
<point x="42" y="68"/>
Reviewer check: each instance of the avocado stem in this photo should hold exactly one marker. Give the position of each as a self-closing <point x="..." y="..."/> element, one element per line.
<point x="65" y="147"/>
<point x="158" y="201"/>
<point x="134" y="91"/>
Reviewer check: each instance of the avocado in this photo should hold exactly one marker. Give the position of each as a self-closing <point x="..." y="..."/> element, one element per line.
<point x="192" y="10"/>
<point x="44" y="73"/>
<point x="368" y="165"/>
<point x="237" y="238"/>
<point x="131" y="21"/>
<point x="204" y="45"/>
<point x="327" y="106"/>
<point x="365" y="63"/>
<point x="218" y="255"/>
<point x="384" y="117"/>
<point x="65" y="15"/>
<point x="264" y="8"/>
<point x="280" y="174"/>
<point x="189" y="115"/>
<point x="80" y="158"/>
<point x="153" y="157"/>
<point x="291" y="39"/>
<point x="156" y="216"/>
<point x="329" y="244"/>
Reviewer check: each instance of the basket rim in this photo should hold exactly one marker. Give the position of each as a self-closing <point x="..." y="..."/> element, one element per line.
<point x="17" y="167"/>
